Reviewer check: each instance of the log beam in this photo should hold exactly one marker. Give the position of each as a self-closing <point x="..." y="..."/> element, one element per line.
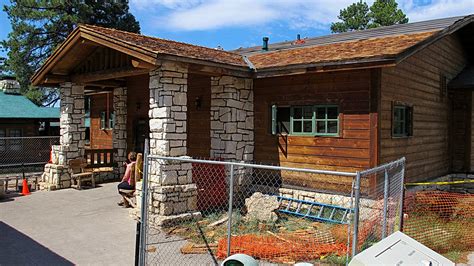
<point x="113" y="73"/>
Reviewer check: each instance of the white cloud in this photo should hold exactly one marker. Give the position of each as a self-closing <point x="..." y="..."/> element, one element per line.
<point x="190" y="15"/>
<point x="437" y="9"/>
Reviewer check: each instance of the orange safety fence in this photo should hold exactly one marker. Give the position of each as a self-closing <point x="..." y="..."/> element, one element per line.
<point x="443" y="221"/>
<point x="278" y="249"/>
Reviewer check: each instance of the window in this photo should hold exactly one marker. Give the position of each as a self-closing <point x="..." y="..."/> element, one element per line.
<point x="319" y="120"/>
<point x="107" y="120"/>
<point x="302" y="120"/>
<point x="402" y="122"/>
<point x="327" y="120"/>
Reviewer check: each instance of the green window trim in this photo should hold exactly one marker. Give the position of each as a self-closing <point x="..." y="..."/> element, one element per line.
<point x="304" y="120"/>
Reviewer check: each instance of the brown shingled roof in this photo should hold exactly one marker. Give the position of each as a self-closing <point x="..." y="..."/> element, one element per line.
<point x="377" y="48"/>
<point x="168" y="47"/>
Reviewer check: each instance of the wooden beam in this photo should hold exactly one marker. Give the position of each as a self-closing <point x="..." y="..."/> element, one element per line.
<point x="217" y="71"/>
<point x="106" y="84"/>
<point x="142" y="64"/>
<point x="108" y="74"/>
<point x="55" y="78"/>
<point x="90" y="43"/>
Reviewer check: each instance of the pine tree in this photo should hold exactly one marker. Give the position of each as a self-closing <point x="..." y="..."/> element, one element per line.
<point x="386" y="13"/>
<point x="39" y="26"/>
<point x="358" y="16"/>
<point x="354" y="17"/>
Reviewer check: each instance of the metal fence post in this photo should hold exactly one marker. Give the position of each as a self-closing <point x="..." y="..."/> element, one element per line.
<point x="402" y="195"/>
<point x="385" y="204"/>
<point x="356" y="214"/>
<point x="231" y="196"/>
<point x="144" y="206"/>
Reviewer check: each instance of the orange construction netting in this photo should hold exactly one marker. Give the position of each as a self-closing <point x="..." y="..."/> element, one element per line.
<point x="443" y="221"/>
<point x="277" y="249"/>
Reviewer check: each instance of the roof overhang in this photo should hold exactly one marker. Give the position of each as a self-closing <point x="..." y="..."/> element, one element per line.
<point x="84" y="37"/>
<point x="465" y="79"/>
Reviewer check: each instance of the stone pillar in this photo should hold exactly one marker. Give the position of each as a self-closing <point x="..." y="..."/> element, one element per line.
<point x="72" y="128"/>
<point x="119" y="135"/>
<point x="175" y="194"/>
<point x="232" y="135"/>
<point x="72" y="137"/>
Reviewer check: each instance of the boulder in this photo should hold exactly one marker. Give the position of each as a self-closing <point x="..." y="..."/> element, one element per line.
<point x="262" y="207"/>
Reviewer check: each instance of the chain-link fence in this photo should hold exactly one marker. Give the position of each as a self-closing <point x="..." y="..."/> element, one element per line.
<point x="378" y="203"/>
<point x="25" y="154"/>
<point x="198" y="212"/>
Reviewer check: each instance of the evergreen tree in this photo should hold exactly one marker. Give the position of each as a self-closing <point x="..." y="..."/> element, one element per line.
<point x="386" y="13"/>
<point x="358" y="16"/>
<point x="39" y="26"/>
<point x="354" y="17"/>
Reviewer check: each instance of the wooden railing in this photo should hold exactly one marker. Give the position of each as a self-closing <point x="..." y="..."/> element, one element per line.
<point x="99" y="158"/>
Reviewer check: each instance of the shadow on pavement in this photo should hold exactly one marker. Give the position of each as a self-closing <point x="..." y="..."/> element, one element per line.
<point x="19" y="249"/>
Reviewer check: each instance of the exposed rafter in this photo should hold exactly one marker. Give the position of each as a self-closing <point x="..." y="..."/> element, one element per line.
<point x="112" y="73"/>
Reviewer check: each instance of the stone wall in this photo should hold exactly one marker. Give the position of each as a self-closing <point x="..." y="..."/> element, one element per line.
<point x="72" y="128"/>
<point x="119" y="137"/>
<point x="232" y="115"/>
<point x="175" y="196"/>
<point x="232" y="128"/>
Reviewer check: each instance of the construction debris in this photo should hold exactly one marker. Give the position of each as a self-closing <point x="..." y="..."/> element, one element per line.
<point x="262" y="207"/>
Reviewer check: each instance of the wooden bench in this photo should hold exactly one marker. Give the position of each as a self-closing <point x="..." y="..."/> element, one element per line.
<point x="78" y="174"/>
<point x="137" y="173"/>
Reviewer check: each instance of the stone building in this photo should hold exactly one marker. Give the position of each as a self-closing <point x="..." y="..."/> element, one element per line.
<point x="341" y="102"/>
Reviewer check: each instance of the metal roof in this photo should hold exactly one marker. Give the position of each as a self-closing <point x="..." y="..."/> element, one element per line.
<point x="409" y="28"/>
<point x="18" y="106"/>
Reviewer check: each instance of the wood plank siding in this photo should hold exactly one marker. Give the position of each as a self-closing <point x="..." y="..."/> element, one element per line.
<point x="352" y="150"/>
<point x="199" y="116"/>
<point x="416" y="81"/>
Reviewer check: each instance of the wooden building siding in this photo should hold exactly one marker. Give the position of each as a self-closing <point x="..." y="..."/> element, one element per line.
<point x="198" y="117"/>
<point x="460" y="130"/>
<point x="471" y="165"/>
<point x="416" y="81"/>
<point x="350" y="151"/>
<point x="100" y="138"/>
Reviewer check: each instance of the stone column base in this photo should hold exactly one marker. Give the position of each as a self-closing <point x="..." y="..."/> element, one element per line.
<point x="170" y="204"/>
<point x="55" y="177"/>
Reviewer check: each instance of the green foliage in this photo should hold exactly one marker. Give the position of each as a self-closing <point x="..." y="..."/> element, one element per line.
<point x="39" y="26"/>
<point x="358" y="16"/>
<point x="354" y="17"/>
<point x="386" y="13"/>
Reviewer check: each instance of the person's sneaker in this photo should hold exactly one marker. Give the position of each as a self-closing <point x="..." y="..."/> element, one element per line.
<point x="121" y="203"/>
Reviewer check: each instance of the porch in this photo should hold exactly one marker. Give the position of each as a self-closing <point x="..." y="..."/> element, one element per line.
<point x="113" y="97"/>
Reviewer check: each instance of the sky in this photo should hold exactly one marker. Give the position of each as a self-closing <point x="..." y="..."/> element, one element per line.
<point x="242" y="23"/>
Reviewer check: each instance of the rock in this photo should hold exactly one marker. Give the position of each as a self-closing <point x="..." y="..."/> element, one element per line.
<point x="262" y="207"/>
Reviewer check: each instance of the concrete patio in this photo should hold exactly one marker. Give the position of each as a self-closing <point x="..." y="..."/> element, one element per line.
<point x="66" y="227"/>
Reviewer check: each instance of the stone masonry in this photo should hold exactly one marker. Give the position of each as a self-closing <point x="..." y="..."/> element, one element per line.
<point x="175" y="194"/>
<point x="232" y="136"/>
<point x="232" y="118"/>
<point x="72" y="136"/>
<point x="72" y="122"/>
<point x="119" y="135"/>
